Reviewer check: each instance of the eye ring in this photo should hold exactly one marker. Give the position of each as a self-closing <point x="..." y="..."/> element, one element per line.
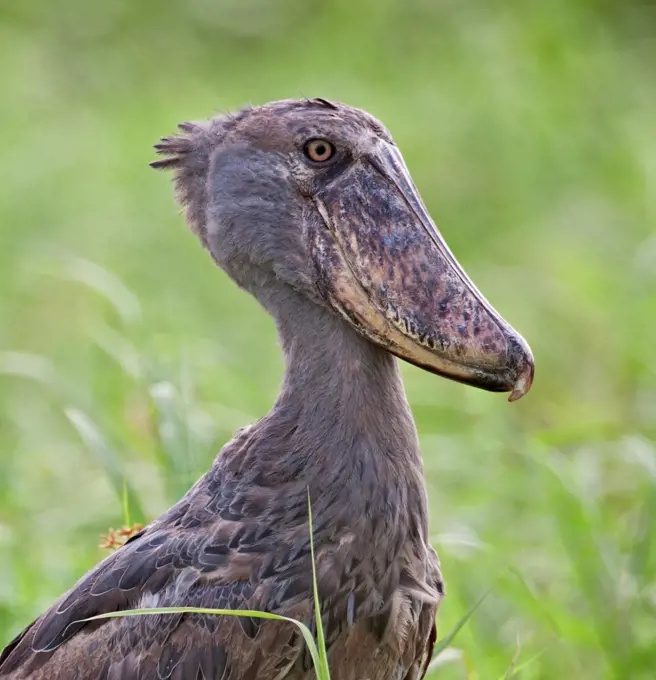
<point x="319" y="150"/>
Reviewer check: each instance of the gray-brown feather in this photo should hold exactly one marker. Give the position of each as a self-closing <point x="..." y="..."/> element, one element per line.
<point x="239" y="539"/>
<point x="212" y="550"/>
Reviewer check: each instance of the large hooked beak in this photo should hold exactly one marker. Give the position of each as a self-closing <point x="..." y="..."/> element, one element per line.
<point x="391" y="274"/>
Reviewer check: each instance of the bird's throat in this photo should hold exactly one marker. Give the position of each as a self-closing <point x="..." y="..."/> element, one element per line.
<point x="341" y="426"/>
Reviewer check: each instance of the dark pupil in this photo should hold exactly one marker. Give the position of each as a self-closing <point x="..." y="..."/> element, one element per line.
<point x="320" y="149"/>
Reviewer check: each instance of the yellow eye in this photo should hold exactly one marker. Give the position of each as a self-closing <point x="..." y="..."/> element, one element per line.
<point x="319" y="150"/>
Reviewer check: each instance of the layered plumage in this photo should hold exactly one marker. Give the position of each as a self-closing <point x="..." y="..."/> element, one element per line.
<point x="342" y="253"/>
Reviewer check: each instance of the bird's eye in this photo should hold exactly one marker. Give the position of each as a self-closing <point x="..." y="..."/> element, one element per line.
<point x="319" y="150"/>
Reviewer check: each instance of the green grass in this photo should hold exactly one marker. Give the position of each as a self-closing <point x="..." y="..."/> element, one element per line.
<point x="124" y="354"/>
<point x="316" y="646"/>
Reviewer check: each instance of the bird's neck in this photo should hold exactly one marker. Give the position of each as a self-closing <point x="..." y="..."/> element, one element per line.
<point x="341" y="426"/>
<point x="340" y="390"/>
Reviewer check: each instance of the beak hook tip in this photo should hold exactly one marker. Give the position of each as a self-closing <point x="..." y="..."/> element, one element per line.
<point x="523" y="383"/>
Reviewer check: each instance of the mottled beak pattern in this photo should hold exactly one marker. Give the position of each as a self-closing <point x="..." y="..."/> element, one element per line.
<point x="391" y="274"/>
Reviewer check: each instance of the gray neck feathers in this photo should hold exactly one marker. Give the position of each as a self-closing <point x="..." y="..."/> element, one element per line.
<point x="341" y="425"/>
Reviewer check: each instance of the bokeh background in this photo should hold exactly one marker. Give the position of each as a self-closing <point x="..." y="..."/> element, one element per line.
<point x="125" y="354"/>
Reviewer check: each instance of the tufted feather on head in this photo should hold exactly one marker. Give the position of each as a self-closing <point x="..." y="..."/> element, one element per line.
<point x="188" y="155"/>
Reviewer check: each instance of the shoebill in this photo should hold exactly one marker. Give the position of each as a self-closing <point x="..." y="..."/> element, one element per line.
<point x="309" y="207"/>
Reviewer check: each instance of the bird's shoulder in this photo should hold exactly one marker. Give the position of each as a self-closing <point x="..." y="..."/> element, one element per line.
<point x="233" y="542"/>
<point x="217" y="547"/>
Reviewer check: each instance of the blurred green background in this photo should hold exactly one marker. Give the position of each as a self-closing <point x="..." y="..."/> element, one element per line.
<point x="529" y="129"/>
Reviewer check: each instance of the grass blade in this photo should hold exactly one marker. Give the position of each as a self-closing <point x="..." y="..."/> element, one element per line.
<point x="510" y="671"/>
<point x="305" y="631"/>
<point x="97" y="443"/>
<point x="102" y="281"/>
<point x="516" y="668"/>
<point x="126" y="504"/>
<point x="442" y="644"/>
<point x="597" y="583"/>
<point x="174" y="439"/>
<point x="538" y="603"/>
<point x="446" y="656"/>
<point x="323" y="671"/>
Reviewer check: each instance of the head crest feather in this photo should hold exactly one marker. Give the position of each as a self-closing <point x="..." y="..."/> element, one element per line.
<point x="188" y="155"/>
